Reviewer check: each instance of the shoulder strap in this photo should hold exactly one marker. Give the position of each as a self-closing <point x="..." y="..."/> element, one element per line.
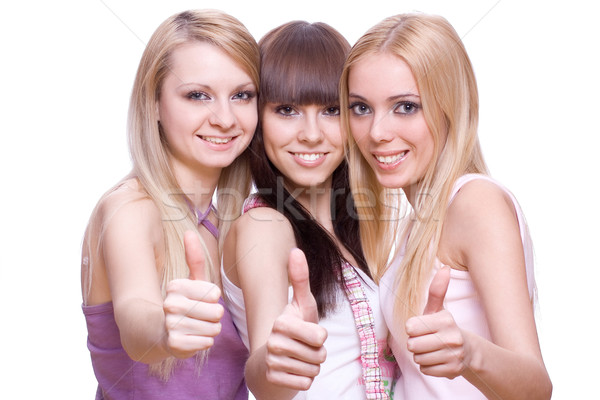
<point x="365" y="325"/>
<point x="253" y="201"/>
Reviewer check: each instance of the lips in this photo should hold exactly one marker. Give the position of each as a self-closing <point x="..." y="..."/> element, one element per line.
<point x="310" y="157"/>
<point x="391" y="159"/>
<point x="217" y="139"/>
<point x="309" y="160"/>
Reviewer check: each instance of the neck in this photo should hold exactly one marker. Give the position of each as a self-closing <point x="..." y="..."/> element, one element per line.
<point x="317" y="200"/>
<point x="198" y="185"/>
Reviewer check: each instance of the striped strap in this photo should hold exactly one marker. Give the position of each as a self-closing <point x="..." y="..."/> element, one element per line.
<point x="365" y="325"/>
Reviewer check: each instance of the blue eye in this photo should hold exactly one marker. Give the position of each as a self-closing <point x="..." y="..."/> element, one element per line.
<point x="244" y="96"/>
<point x="406" y="107"/>
<point x="197" y="96"/>
<point x="360" y="108"/>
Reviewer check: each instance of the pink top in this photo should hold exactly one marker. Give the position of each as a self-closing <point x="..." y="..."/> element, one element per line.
<point x="121" y="378"/>
<point x="462" y="301"/>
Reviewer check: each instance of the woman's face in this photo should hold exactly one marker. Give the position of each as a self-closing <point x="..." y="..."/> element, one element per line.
<point x="207" y="108"/>
<point x="387" y="120"/>
<point x="305" y="143"/>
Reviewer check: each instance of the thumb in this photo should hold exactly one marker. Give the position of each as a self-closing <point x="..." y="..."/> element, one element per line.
<point x="299" y="278"/>
<point x="437" y="291"/>
<point x="194" y="255"/>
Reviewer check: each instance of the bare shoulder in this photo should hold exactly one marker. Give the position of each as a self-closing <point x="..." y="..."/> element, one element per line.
<point x="128" y="214"/>
<point x="127" y="202"/>
<point x="128" y="194"/>
<point x="263" y="226"/>
<point x="480" y="199"/>
<point x="259" y="240"/>
<point x="264" y="218"/>
<point x="125" y="228"/>
<point x="481" y="214"/>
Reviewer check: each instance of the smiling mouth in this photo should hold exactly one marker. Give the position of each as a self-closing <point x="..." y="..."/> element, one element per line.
<point x="217" y="140"/>
<point x="309" y="156"/>
<point x="387" y="160"/>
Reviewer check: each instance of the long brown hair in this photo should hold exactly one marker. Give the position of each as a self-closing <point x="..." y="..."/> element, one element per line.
<point x="300" y="65"/>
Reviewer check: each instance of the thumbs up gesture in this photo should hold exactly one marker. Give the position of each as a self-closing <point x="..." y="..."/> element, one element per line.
<point x="295" y="346"/>
<point x="192" y="311"/>
<point x="437" y="343"/>
<point x="303" y="301"/>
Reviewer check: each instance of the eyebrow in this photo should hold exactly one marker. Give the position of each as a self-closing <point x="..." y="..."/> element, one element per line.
<point x="389" y="99"/>
<point x="208" y="87"/>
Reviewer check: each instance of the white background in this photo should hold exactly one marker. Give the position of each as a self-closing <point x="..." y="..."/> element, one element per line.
<point x="66" y="72"/>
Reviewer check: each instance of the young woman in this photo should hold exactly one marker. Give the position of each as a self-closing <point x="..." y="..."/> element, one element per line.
<point x="327" y="344"/>
<point x="409" y="99"/>
<point x="193" y="112"/>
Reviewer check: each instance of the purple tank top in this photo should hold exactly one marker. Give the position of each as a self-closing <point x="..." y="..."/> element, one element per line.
<point x="119" y="377"/>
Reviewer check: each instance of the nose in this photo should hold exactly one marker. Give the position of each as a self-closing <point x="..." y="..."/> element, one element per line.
<point x="221" y="115"/>
<point x="310" y="131"/>
<point x="381" y="129"/>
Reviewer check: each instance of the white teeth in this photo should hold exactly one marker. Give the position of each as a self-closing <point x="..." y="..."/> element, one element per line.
<point x="390" y="159"/>
<point x="309" y="156"/>
<point x="217" y="140"/>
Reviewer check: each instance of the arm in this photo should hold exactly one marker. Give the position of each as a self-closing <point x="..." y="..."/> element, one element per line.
<point x="132" y="252"/>
<point x="481" y="234"/>
<point x="131" y="244"/>
<point x="285" y="349"/>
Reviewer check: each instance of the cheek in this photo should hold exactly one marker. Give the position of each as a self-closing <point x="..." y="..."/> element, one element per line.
<point x="248" y="118"/>
<point x="333" y="132"/>
<point x="167" y="108"/>
<point x="417" y="132"/>
<point x="359" y="129"/>
<point x="428" y="141"/>
<point x="268" y="141"/>
<point x="339" y="144"/>
<point x="177" y="117"/>
<point x="426" y="149"/>
<point x="362" y="147"/>
<point x="277" y="132"/>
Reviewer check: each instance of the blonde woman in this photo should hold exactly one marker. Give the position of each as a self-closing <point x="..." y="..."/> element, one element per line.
<point x="458" y="295"/>
<point x="192" y="114"/>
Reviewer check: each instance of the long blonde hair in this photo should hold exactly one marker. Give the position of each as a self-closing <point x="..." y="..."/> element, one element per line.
<point x="150" y="157"/>
<point x="432" y="49"/>
<point x="147" y="147"/>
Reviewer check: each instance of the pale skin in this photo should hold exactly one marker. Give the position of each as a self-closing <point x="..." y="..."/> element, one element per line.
<point x="480" y="235"/>
<point x="208" y="121"/>
<point x="126" y="273"/>
<point x="286" y="342"/>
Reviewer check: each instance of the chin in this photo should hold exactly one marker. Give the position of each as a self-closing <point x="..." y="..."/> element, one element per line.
<point x="223" y="162"/>
<point x="306" y="183"/>
<point x="389" y="182"/>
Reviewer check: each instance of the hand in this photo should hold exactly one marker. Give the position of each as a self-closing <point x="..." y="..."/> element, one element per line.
<point x="192" y="311"/>
<point x="295" y="347"/>
<point x="437" y="343"/>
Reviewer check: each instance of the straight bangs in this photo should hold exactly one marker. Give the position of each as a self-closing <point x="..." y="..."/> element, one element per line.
<point x="301" y="64"/>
